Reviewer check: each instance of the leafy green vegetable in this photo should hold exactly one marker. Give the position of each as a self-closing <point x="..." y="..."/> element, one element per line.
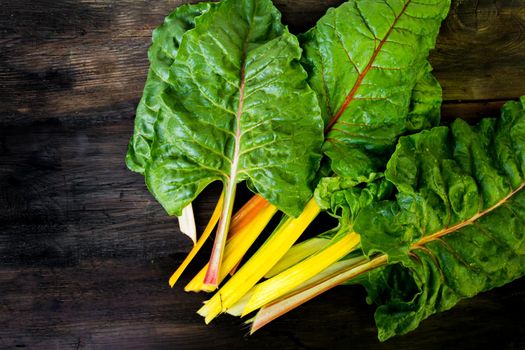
<point x="425" y="103"/>
<point x="456" y="226"/>
<point x="363" y="60"/>
<point x="239" y="110"/>
<point x="344" y="197"/>
<point x="364" y="84"/>
<point x="236" y="107"/>
<point x="165" y="44"/>
<point x="226" y="99"/>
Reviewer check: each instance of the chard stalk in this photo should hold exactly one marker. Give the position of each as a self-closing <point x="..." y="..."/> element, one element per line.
<point x="187" y="223"/>
<point x="289" y="302"/>
<point x="241" y="239"/>
<point x="262" y="261"/>
<point x="298" y="253"/>
<point x="289" y="279"/>
<point x="248" y="212"/>
<point x="212" y="274"/>
<point x="207" y="232"/>
<point x="237" y="308"/>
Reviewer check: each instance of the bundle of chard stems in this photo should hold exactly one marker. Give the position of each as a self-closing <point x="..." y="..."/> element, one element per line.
<point x="428" y="214"/>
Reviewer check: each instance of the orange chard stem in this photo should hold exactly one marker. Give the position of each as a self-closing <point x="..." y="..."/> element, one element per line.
<point x="247" y="213"/>
<point x="214" y="266"/>
<point x="240" y="240"/>
<point x="259" y="204"/>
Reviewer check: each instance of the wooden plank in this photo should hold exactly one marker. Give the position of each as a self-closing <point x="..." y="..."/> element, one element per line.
<point x="87" y="60"/>
<point x="120" y="304"/>
<point x="471" y="110"/>
<point x="480" y="51"/>
<point x="68" y="195"/>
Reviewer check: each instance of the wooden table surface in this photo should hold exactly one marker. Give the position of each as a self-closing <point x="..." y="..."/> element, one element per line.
<point x="85" y="251"/>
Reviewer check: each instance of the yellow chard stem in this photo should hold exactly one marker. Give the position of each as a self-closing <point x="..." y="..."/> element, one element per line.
<point x="242" y="217"/>
<point x="262" y="261"/>
<point x="207" y="232"/>
<point x="298" y="253"/>
<point x="278" y="308"/>
<point x="242" y="238"/>
<point x="291" y="278"/>
<point x="237" y="308"/>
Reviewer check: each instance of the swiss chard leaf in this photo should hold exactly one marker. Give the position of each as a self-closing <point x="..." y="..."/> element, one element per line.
<point x="363" y="60"/>
<point x="424" y="111"/>
<point x="239" y="109"/>
<point x="456" y="227"/>
<point x="344" y="196"/>
<point x="166" y="40"/>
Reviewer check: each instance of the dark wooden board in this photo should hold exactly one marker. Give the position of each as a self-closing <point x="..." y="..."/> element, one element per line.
<point x="85" y="251"/>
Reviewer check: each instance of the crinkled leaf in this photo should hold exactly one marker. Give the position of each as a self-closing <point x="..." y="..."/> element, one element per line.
<point x="239" y="109"/>
<point x="344" y="197"/>
<point x="457" y="225"/>
<point x="165" y="43"/>
<point x="363" y="60"/>
<point x="425" y="103"/>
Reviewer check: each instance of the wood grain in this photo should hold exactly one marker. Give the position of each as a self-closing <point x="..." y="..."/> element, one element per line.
<point x="121" y="304"/>
<point x="85" y="251"/>
<point x="480" y="51"/>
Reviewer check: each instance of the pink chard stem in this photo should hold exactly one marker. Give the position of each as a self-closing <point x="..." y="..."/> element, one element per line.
<point x="214" y="266"/>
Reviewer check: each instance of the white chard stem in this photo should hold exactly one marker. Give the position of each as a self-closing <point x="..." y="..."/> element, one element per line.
<point x="187" y="223"/>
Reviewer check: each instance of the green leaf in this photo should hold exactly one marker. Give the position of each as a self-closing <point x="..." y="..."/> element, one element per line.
<point x="363" y="60"/>
<point x="240" y="109"/>
<point x="345" y="197"/>
<point x="227" y="99"/>
<point x="165" y="44"/>
<point x="425" y="103"/>
<point x="456" y="226"/>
